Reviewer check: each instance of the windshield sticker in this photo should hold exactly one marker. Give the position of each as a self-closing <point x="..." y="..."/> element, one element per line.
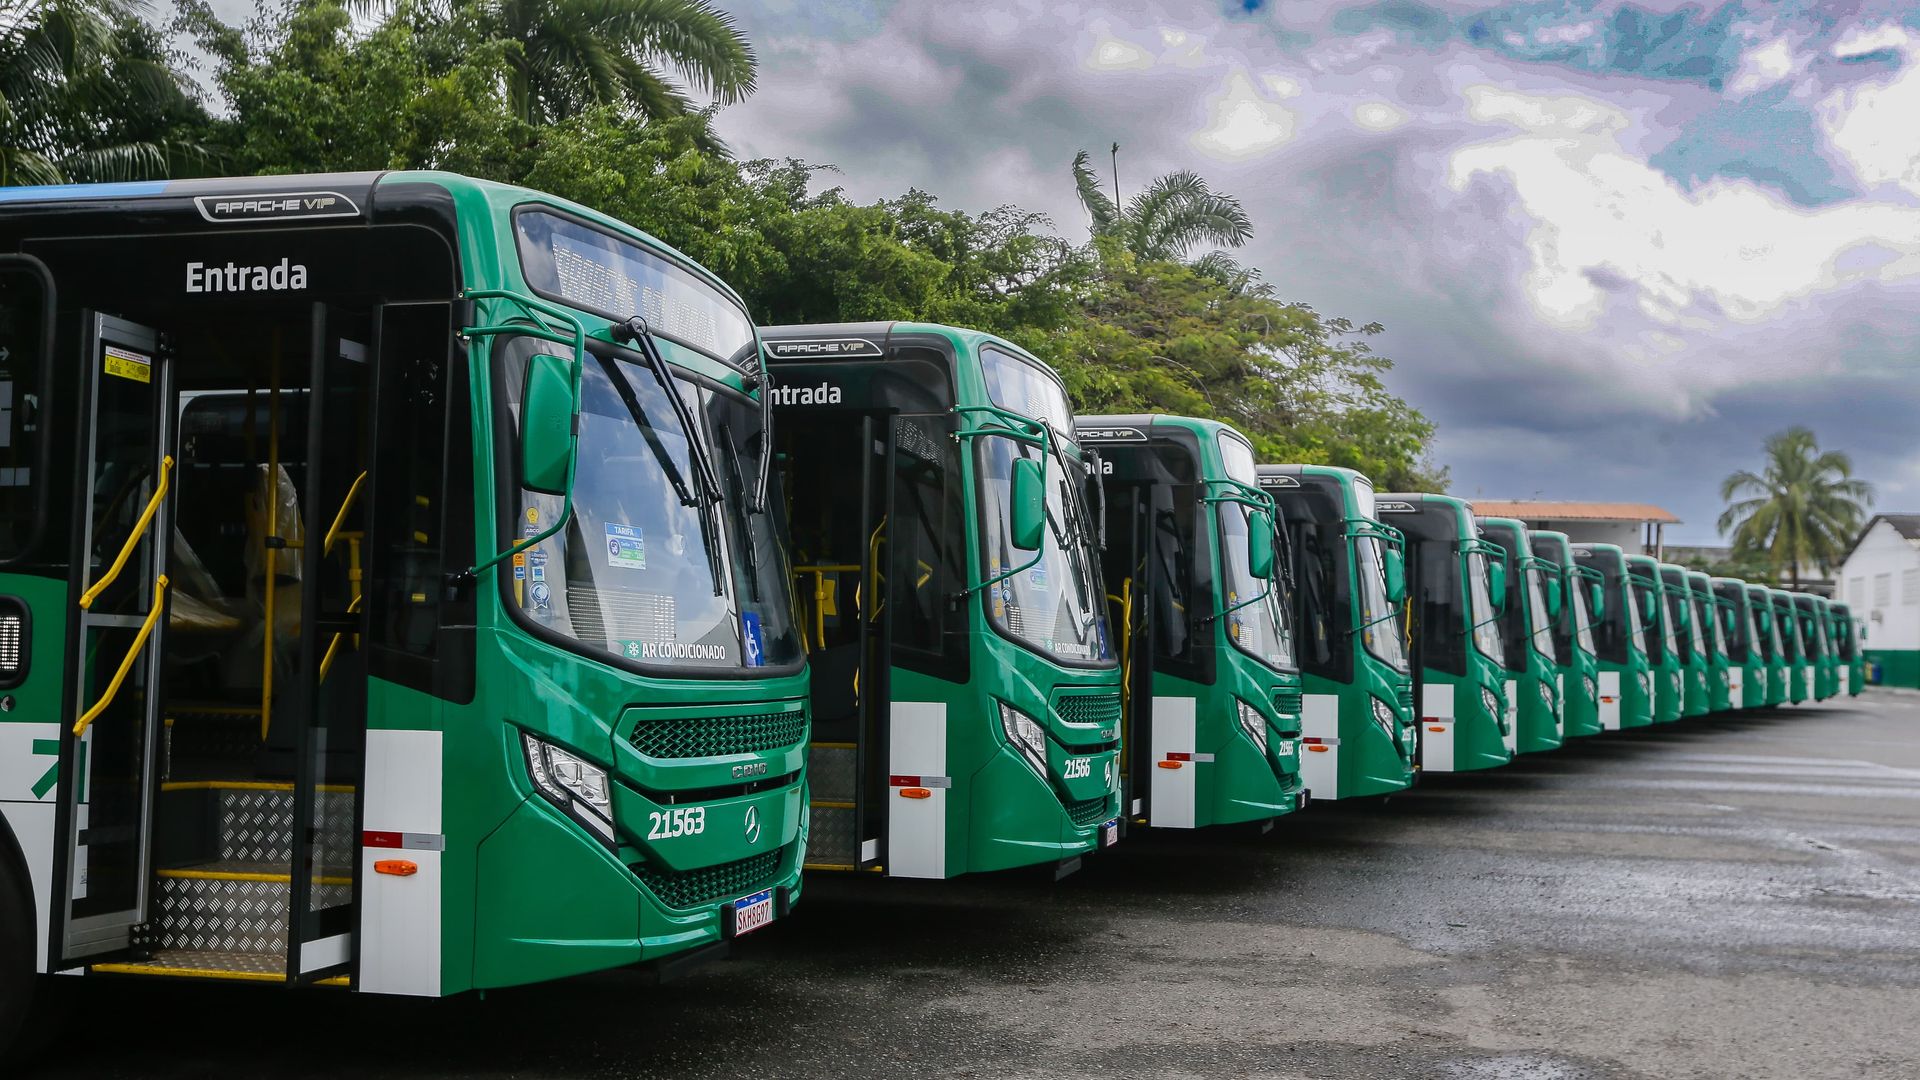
<point x="669" y="650"/>
<point x="626" y="547"/>
<point x="129" y="365"/>
<point x="542" y="596"/>
<point x="1037" y="577"/>
<point x="751" y="641"/>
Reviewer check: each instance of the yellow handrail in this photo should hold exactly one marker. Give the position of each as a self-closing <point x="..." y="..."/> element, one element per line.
<point x="333" y="531"/>
<point x="126" y="665"/>
<point x="326" y="662"/>
<point x="133" y="539"/>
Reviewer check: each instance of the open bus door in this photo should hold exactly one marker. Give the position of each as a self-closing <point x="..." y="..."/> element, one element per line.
<point x="220" y="695"/>
<point x="119" y="586"/>
<point x="840" y="517"/>
<point x="1146" y="549"/>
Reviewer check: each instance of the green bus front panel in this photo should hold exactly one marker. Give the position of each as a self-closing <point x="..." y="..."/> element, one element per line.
<point x="1536" y="691"/>
<point x="980" y="805"/>
<point x="30" y="737"/>
<point x="1202" y="767"/>
<point x="1347" y="752"/>
<point x="1697" y="700"/>
<point x="1721" y="695"/>
<point x="1753" y="680"/>
<point x="1580" y="695"/>
<point x="534" y="895"/>
<point x="1465" y="723"/>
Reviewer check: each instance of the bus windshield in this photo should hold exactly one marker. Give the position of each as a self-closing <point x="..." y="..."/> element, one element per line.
<point x="649" y="568"/>
<point x="1380" y="618"/>
<point x="1486" y="618"/>
<point x="1055" y="606"/>
<point x="1646" y="597"/>
<point x="1262" y="630"/>
<point x="1582" y="614"/>
<point x="1537" y="610"/>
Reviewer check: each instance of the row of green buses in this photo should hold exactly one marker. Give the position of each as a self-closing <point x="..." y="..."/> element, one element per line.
<point x="414" y="585"/>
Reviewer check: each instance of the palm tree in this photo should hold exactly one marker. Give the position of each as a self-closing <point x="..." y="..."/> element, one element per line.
<point x="1803" y="508"/>
<point x="1164" y="222"/>
<point x="83" y="86"/>
<point x="577" y="54"/>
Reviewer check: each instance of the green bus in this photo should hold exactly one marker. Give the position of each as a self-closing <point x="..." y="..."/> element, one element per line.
<point x="1846" y="644"/>
<point x="1773" y="644"/>
<point x="1815" y="624"/>
<point x="966" y="696"/>
<point x="1456" y="591"/>
<point x="1795" y="647"/>
<point x="1213" y="694"/>
<point x="1349" y="580"/>
<point x="1575" y="654"/>
<point x="1706" y="609"/>
<point x="1746" y="659"/>
<point x="1620" y="642"/>
<point x="1526" y="628"/>
<point x="362" y="640"/>
<point x="1663" y="642"/>
<point x="1689" y="640"/>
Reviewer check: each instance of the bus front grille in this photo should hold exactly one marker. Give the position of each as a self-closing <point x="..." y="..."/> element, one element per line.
<point x="713" y="736"/>
<point x="693" y="888"/>
<point x="1406" y="698"/>
<point x="1289" y="703"/>
<point x="1089" y="709"/>
<point x="1088" y="812"/>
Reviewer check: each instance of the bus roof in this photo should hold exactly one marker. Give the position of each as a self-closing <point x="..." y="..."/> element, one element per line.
<point x="1339" y="472"/>
<point x="302" y="198"/>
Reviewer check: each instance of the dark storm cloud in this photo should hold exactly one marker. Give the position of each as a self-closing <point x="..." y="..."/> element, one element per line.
<point x="1558" y="244"/>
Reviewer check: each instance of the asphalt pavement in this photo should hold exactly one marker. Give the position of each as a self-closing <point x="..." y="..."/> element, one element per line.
<point x="1733" y="897"/>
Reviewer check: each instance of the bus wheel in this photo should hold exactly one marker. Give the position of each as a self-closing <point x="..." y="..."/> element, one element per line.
<point x="17" y="980"/>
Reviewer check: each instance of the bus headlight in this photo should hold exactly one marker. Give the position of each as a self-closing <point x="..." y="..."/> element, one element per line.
<point x="1546" y="695"/>
<point x="1494" y="704"/>
<point x="1384" y="715"/>
<point x="576" y="786"/>
<point x="1026" y="736"/>
<point x="1592" y="688"/>
<point x="1646" y="685"/>
<point x="1254" y="724"/>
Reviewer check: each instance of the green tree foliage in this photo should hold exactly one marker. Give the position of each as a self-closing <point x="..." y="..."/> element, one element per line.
<point x="1803" y="508"/>
<point x="490" y="88"/>
<point x="87" y="94"/>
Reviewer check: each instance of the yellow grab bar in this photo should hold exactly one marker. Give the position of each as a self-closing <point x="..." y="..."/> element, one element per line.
<point x="340" y="518"/>
<point x="126" y="665"/>
<point x="326" y="662"/>
<point x="133" y="539"/>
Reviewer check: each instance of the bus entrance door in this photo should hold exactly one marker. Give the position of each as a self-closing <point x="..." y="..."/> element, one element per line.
<point x="111" y="743"/>
<point x="835" y="467"/>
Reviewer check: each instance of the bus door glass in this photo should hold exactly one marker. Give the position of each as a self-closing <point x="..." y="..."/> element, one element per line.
<point x="126" y="386"/>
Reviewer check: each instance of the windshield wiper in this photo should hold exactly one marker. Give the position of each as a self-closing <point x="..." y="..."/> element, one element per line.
<point x="635" y="330"/>
<point x="752" y="554"/>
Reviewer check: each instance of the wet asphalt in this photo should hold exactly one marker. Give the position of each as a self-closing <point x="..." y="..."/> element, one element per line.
<point x="1723" y="898"/>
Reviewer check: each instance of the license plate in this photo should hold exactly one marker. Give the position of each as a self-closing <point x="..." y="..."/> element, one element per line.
<point x="1110" y="833"/>
<point x="752" y="913"/>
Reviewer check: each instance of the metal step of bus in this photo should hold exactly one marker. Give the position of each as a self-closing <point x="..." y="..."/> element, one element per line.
<point x="233" y="906"/>
<point x="255" y="820"/>
<point x="833" y="840"/>
<point x="211" y="964"/>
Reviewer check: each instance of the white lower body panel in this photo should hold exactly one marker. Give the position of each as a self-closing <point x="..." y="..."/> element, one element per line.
<point x="1436" y="727"/>
<point x="917" y="828"/>
<point x="1320" y="745"/>
<point x="1173" y="791"/>
<point x="1609" y="701"/>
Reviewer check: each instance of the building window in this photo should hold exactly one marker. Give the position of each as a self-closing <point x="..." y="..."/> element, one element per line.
<point x="1857" y="592"/>
<point x="1910" y="586"/>
<point x="1882" y="590"/>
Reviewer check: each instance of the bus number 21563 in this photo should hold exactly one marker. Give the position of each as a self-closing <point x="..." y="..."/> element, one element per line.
<point x="689" y="821"/>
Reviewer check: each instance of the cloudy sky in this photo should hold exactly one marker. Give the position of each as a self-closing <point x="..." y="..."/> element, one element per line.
<point x="1614" y="245"/>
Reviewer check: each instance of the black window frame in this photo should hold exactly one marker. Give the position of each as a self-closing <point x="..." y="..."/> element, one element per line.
<point x="42" y="456"/>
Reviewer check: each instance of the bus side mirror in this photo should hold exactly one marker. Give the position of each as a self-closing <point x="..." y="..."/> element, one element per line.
<point x="1598" y="600"/>
<point x="1553" y="597"/>
<point x="1497" y="583"/>
<point x="1260" y="544"/>
<point x="1686" y="616"/>
<point x="1029" y="505"/>
<point x="546" y="425"/>
<point x="1649" y="606"/>
<point x="1395" y="565"/>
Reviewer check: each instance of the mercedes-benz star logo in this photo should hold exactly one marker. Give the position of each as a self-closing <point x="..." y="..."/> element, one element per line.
<point x="753" y="824"/>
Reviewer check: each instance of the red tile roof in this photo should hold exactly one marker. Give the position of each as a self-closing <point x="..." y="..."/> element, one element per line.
<point x="1549" y="510"/>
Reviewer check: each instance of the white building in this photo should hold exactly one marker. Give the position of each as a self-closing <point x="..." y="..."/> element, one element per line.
<point x="1880" y="582"/>
<point x="1640" y="528"/>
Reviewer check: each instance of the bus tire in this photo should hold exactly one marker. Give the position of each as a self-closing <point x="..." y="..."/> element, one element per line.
<point x="17" y="978"/>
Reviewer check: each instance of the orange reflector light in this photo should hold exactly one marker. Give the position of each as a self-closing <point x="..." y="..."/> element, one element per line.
<point x="1318" y="749"/>
<point x="396" y="867"/>
<point x="1438" y="728"/>
<point x="915" y="793"/>
<point x="1168" y="764"/>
